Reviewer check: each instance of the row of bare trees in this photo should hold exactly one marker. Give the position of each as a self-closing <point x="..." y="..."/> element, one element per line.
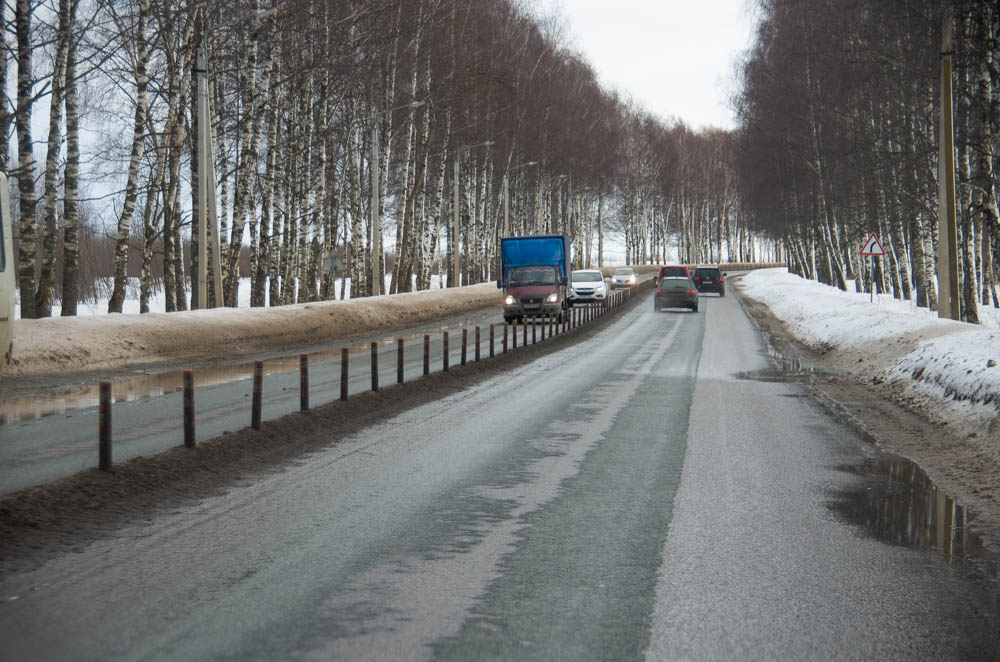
<point x="839" y="118"/>
<point x="513" y="135"/>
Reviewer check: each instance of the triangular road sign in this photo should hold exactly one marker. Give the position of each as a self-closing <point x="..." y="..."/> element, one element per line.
<point x="872" y="246"/>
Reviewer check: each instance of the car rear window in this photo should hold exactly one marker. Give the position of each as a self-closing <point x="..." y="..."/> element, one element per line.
<point x="708" y="272"/>
<point x="674" y="272"/>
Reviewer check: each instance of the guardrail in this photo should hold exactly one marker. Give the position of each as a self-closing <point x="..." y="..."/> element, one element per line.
<point x="542" y="328"/>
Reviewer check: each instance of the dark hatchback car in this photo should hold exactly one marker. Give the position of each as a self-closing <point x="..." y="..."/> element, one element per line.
<point x="710" y="279"/>
<point x="675" y="289"/>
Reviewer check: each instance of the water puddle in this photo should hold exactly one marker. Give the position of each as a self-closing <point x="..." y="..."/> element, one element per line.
<point x="783" y="368"/>
<point x="899" y="504"/>
<point x="148" y="385"/>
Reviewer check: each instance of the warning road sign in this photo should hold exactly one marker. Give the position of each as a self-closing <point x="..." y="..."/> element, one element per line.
<point x="872" y="246"/>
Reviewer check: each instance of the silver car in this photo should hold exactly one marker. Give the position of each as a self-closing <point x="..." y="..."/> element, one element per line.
<point x="587" y="286"/>
<point x="624" y="277"/>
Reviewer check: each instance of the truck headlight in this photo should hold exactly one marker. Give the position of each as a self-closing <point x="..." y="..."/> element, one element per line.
<point x="508" y="300"/>
<point x="552" y="298"/>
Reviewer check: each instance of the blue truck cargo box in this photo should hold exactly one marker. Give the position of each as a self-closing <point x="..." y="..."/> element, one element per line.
<point x="533" y="250"/>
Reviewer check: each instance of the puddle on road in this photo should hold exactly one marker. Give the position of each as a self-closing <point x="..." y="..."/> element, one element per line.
<point x="146" y="385"/>
<point x="899" y="504"/>
<point x="784" y="370"/>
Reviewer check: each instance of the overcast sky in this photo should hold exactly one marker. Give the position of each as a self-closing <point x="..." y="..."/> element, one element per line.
<point x="675" y="57"/>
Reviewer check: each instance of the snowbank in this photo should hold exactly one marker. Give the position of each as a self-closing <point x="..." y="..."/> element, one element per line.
<point x="59" y="344"/>
<point x="949" y="371"/>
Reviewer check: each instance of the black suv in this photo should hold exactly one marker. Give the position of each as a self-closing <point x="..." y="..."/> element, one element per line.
<point x="710" y="279"/>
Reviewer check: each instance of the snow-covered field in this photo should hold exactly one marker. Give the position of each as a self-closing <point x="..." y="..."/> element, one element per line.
<point x="949" y="371"/>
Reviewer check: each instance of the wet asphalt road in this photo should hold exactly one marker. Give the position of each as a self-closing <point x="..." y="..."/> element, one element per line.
<point x="628" y="497"/>
<point x="54" y="436"/>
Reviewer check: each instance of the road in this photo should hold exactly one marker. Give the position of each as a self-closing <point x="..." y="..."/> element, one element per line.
<point x="638" y="495"/>
<point x="55" y="435"/>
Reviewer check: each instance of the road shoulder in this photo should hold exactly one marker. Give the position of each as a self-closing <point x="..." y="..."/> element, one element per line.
<point x="955" y="465"/>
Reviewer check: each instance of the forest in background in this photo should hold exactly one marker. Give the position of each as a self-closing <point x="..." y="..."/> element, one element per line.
<point x="839" y="122"/>
<point x="836" y="137"/>
<point x="299" y="93"/>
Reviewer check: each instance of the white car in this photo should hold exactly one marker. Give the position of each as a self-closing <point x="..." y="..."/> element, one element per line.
<point x="624" y="277"/>
<point x="587" y="286"/>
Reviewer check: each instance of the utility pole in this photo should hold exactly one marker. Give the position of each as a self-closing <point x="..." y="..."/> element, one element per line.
<point x="376" y="213"/>
<point x="948" y="300"/>
<point x="207" y="218"/>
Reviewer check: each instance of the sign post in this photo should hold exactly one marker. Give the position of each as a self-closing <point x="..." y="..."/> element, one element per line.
<point x="871" y="248"/>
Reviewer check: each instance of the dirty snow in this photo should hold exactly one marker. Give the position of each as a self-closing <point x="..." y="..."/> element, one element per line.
<point x="948" y="371"/>
<point x="99" y="341"/>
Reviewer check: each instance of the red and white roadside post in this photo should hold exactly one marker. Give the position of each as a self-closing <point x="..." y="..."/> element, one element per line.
<point x="871" y="248"/>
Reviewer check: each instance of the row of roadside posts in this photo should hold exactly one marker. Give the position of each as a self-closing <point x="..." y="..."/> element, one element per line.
<point x="576" y="317"/>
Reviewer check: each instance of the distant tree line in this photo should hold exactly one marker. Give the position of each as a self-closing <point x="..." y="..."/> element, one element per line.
<point x="298" y="95"/>
<point x="839" y="124"/>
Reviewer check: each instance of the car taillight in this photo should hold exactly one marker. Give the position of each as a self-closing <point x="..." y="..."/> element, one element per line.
<point x="692" y="292"/>
<point x="719" y="278"/>
<point x="659" y="291"/>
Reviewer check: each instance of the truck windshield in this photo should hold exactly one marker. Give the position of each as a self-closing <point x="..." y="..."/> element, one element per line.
<point x="532" y="276"/>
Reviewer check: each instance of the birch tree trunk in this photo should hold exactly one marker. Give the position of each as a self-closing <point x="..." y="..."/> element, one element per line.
<point x="71" y="183"/>
<point x="273" y="246"/>
<point x="26" y="161"/>
<point x="149" y="231"/>
<point x="132" y="184"/>
<point x="218" y="135"/>
<point x="358" y="265"/>
<point x="46" y="281"/>
<point x="262" y="250"/>
<point x="256" y="103"/>
<point x="5" y="102"/>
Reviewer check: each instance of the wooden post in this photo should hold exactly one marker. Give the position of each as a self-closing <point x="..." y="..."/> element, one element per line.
<point x="492" y="339"/>
<point x="303" y="382"/>
<point x="427" y="354"/>
<point x="104" y="428"/>
<point x="374" y="366"/>
<point x="477" y="344"/>
<point x="399" y="360"/>
<point x="444" y="354"/>
<point x="343" y="374"/>
<point x="465" y="344"/>
<point x="258" y="391"/>
<point x="189" y="408"/>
